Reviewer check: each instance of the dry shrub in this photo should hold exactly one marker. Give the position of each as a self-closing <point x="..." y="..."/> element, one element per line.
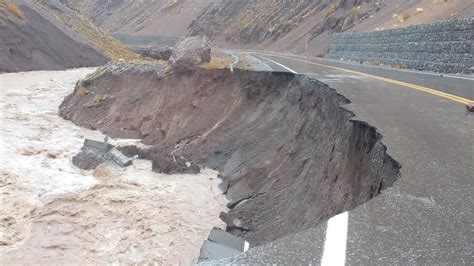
<point x="355" y="10"/>
<point x="403" y="17"/>
<point x="331" y="10"/>
<point x="81" y="91"/>
<point x="14" y="9"/>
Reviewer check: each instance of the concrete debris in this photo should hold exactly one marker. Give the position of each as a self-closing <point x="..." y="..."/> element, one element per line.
<point x="190" y="52"/>
<point x="470" y="107"/>
<point x="221" y="244"/>
<point x="94" y="153"/>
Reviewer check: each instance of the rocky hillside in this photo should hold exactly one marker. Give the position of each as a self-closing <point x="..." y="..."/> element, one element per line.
<point x="273" y="25"/>
<point x="82" y="26"/>
<point x="150" y="17"/>
<point x="30" y="41"/>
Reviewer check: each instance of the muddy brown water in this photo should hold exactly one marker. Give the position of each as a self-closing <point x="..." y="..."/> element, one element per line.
<point x="286" y="148"/>
<point x="52" y="213"/>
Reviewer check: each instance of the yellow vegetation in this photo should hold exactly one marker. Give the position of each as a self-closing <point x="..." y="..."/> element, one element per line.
<point x="331" y="10"/>
<point x="168" y="69"/>
<point x="403" y="17"/>
<point x="355" y="10"/>
<point x="219" y="62"/>
<point x="99" y="39"/>
<point x="14" y="9"/>
<point x="98" y="98"/>
<point x="81" y="91"/>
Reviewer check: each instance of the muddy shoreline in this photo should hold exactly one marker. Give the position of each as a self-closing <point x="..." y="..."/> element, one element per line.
<point x="286" y="149"/>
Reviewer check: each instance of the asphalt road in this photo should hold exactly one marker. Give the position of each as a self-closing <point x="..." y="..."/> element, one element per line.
<point x="428" y="216"/>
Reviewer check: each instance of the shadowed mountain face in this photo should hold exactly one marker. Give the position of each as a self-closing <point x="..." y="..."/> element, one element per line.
<point x="29" y="41"/>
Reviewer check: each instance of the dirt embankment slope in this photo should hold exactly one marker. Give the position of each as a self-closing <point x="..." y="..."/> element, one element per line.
<point x="29" y="41"/>
<point x="288" y="152"/>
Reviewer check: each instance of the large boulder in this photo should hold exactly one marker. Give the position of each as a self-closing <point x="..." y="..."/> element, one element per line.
<point x="190" y="52"/>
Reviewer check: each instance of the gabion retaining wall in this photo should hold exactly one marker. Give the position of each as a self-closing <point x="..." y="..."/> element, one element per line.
<point x="445" y="46"/>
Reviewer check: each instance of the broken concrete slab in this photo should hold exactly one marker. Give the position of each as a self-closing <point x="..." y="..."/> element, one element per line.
<point x="215" y="251"/>
<point x="94" y="153"/>
<point x="221" y="237"/>
<point x="119" y="157"/>
<point x="221" y="244"/>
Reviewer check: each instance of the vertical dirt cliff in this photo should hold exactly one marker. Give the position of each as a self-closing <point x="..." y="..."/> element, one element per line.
<point x="288" y="152"/>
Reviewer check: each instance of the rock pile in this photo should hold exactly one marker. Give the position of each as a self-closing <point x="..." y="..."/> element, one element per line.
<point x="161" y="163"/>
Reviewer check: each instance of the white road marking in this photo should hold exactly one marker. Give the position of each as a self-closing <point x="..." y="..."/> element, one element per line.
<point x="336" y="234"/>
<point x="336" y="240"/>
<point x="363" y="65"/>
<point x="276" y="63"/>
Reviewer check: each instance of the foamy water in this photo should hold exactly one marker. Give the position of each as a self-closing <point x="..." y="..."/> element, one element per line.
<point x="54" y="213"/>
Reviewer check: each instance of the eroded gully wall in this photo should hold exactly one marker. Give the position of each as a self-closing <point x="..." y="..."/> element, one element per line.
<point x="281" y="141"/>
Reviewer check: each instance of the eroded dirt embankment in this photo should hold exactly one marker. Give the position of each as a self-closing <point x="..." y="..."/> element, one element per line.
<point x="282" y="142"/>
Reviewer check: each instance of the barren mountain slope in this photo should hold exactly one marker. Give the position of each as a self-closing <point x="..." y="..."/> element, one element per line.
<point x="272" y="25"/>
<point x="29" y="41"/>
<point x="289" y="25"/>
<point x="149" y="17"/>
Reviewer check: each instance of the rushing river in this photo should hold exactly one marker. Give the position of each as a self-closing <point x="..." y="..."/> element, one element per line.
<point x="51" y="212"/>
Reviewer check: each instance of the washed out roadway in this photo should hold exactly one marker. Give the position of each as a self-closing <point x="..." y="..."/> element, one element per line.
<point x="428" y="216"/>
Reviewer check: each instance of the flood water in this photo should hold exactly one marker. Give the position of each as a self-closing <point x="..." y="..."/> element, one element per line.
<point x="51" y="212"/>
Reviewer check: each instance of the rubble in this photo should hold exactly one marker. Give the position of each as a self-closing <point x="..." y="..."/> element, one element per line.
<point x="167" y="164"/>
<point x="470" y="107"/>
<point x="94" y="153"/>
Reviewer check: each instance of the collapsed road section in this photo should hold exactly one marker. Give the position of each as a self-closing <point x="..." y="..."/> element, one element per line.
<point x="288" y="153"/>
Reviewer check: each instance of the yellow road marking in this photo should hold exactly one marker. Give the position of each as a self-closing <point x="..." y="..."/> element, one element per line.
<point x="393" y="81"/>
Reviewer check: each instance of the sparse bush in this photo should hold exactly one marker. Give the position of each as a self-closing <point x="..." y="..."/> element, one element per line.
<point x="98" y="98"/>
<point x="355" y="10"/>
<point x="219" y="62"/>
<point x="81" y="91"/>
<point x="331" y="10"/>
<point x="14" y="9"/>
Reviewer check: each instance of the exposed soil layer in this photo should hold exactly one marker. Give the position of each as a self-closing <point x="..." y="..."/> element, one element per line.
<point x="288" y="152"/>
<point x="29" y="41"/>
